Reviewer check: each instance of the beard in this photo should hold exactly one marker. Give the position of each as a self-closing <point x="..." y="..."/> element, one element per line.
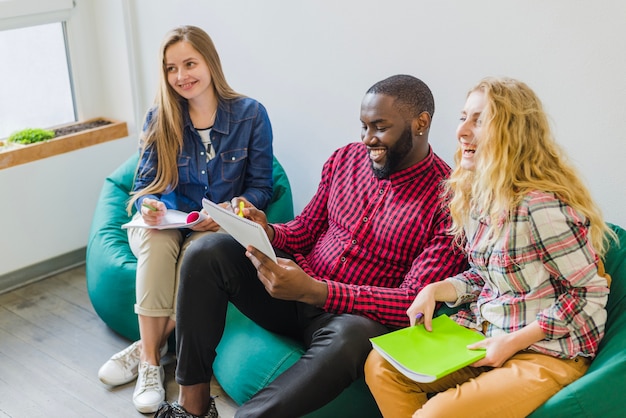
<point x="395" y="154"/>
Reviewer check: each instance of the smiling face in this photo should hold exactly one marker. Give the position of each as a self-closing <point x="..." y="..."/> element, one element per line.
<point x="387" y="135"/>
<point x="469" y="130"/>
<point x="187" y="71"/>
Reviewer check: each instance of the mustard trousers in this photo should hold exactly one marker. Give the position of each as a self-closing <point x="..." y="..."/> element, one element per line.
<point x="516" y="389"/>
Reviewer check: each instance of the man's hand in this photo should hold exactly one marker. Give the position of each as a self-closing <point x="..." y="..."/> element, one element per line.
<point x="259" y="217"/>
<point x="286" y="280"/>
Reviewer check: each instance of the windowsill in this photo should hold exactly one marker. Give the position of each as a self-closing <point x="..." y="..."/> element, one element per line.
<point x="26" y="153"/>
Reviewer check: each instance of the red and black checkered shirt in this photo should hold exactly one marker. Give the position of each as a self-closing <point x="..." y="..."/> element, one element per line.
<point x="376" y="242"/>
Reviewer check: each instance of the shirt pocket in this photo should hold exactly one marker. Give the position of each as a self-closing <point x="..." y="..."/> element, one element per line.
<point x="184" y="169"/>
<point x="233" y="164"/>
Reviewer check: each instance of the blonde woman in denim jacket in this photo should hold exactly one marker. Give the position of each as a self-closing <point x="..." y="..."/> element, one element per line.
<point x="200" y="139"/>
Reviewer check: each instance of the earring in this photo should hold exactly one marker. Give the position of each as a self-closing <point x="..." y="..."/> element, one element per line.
<point x="421" y="133"/>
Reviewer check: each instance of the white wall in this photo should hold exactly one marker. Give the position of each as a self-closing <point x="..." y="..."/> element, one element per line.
<point x="310" y="63"/>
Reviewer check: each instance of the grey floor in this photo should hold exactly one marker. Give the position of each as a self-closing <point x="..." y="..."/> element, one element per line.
<point x="51" y="345"/>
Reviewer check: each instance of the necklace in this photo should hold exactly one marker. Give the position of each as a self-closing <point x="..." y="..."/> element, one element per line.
<point x="208" y="124"/>
<point x="212" y="120"/>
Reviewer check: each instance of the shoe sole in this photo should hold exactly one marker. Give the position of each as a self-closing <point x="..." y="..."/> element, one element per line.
<point x="147" y="409"/>
<point x="117" y="382"/>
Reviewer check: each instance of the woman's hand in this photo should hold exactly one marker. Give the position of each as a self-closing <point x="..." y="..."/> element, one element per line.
<point x="152" y="211"/>
<point x="502" y="347"/>
<point x="499" y="349"/>
<point x="207" y="224"/>
<point x="423" y="307"/>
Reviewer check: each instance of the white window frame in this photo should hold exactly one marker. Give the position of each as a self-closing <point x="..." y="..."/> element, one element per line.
<point x="19" y="13"/>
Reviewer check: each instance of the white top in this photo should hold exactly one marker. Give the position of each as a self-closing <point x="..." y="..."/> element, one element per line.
<point x="205" y="135"/>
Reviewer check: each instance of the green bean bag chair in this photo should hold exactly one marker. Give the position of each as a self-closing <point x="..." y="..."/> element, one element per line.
<point x="248" y="356"/>
<point x="600" y="392"/>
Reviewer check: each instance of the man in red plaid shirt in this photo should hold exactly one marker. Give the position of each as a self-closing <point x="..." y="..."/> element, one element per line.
<point x="349" y="265"/>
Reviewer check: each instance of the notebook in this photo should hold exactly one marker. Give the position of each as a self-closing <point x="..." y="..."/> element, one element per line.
<point x="427" y="356"/>
<point x="173" y="219"/>
<point x="245" y="231"/>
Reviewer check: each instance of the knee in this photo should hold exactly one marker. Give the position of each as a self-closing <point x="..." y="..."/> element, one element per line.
<point x="157" y="243"/>
<point x="348" y="336"/>
<point x="372" y="367"/>
<point x="204" y="251"/>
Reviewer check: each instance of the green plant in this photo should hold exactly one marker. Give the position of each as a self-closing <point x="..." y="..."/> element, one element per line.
<point x="31" y="136"/>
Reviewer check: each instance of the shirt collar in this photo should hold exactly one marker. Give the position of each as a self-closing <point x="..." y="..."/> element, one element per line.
<point x="222" y="117"/>
<point x="414" y="171"/>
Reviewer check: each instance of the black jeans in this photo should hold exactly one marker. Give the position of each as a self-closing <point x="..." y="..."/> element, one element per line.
<point x="214" y="271"/>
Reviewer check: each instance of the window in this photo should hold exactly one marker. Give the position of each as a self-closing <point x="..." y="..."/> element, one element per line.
<point x="36" y="80"/>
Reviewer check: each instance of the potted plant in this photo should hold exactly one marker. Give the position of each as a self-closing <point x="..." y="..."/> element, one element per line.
<point x="34" y="143"/>
<point x="31" y="136"/>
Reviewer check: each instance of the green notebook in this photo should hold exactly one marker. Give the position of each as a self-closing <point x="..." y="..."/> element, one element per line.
<point x="427" y="356"/>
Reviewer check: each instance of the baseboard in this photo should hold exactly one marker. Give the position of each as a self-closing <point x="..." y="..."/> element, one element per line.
<point x="47" y="268"/>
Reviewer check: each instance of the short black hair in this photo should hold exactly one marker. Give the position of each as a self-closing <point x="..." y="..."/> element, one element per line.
<point x="412" y="95"/>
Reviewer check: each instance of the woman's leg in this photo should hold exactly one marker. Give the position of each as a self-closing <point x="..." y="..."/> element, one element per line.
<point x="516" y="389"/>
<point x="157" y="253"/>
<point x="154" y="332"/>
<point x="166" y="247"/>
<point x="397" y="395"/>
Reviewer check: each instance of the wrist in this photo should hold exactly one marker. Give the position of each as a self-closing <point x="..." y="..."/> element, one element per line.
<point x="269" y="230"/>
<point x="318" y="294"/>
<point x="443" y="292"/>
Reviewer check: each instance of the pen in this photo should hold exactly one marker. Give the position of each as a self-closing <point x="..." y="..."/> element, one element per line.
<point x="152" y="208"/>
<point x="241" y="204"/>
<point x="418" y="317"/>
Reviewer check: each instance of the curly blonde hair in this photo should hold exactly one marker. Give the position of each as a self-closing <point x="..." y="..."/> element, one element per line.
<point x="517" y="154"/>
<point x="165" y="133"/>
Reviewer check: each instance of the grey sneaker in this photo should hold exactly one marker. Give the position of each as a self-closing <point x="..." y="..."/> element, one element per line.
<point x="175" y="410"/>
<point x="149" y="391"/>
<point x="122" y="367"/>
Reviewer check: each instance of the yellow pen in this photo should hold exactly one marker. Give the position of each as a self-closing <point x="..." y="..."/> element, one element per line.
<point x="241" y="208"/>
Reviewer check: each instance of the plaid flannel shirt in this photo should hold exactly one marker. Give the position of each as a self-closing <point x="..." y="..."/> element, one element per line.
<point x="542" y="268"/>
<point x="375" y="242"/>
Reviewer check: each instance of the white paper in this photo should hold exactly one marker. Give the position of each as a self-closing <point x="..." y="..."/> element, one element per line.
<point x="173" y="219"/>
<point x="245" y="231"/>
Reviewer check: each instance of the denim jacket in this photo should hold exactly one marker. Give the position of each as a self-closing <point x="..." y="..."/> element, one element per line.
<point x="242" y="166"/>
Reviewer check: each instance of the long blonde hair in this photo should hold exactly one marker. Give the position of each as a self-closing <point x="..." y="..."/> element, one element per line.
<point x="165" y="133"/>
<point x="516" y="154"/>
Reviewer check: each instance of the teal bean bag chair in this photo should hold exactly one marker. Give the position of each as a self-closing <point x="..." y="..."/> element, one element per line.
<point x="111" y="265"/>
<point x="248" y="356"/>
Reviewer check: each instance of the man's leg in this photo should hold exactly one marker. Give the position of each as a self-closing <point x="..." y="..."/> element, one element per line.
<point x="214" y="269"/>
<point x="338" y="346"/>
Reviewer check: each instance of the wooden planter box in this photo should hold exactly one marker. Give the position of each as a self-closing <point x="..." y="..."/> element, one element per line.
<point x="21" y="154"/>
